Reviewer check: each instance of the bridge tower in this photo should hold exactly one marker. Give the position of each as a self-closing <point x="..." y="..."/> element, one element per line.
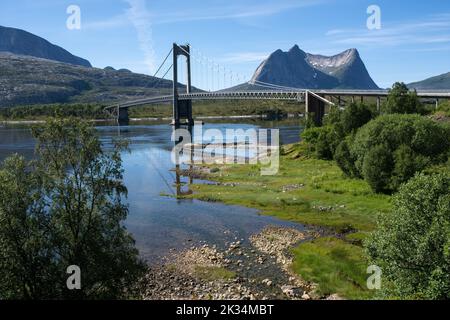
<point x="182" y="109"/>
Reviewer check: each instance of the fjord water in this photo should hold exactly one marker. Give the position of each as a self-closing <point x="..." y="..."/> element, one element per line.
<point x="158" y="221"/>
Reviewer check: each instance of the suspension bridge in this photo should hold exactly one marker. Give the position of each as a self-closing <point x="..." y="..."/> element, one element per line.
<point x="220" y="83"/>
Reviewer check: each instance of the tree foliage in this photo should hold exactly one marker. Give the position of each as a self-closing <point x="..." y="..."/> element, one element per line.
<point x="402" y="100"/>
<point x="412" y="244"/>
<point x="354" y="117"/>
<point x="397" y="146"/>
<point x="323" y="141"/>
<point x="65" y="208"/>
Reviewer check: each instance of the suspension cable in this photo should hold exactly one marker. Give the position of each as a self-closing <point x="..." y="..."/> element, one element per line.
<point x="162" y="78"/>
<point x="162" y="64"/>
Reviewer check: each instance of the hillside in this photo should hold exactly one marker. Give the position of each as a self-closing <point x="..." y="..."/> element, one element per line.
<point x="21" y="42"/>
<point x="440" y="82"/>
<point x="27" y="80"/>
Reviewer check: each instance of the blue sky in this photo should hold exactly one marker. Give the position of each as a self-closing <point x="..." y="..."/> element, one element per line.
<point x="412" y="44"/>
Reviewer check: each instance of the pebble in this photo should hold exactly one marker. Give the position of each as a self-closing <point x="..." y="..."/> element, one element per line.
<point x="181" y="282"/>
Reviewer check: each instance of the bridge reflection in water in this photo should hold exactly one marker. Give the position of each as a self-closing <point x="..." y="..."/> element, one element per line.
<point x="237" y="146"/>
<point x="180" y="187"/>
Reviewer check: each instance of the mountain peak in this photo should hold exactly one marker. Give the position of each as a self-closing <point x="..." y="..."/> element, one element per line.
<point x="295" y="50"/>
<point x="296" y="68"/>
<point x="21" y="42"/>
<point x="351" y="52"/>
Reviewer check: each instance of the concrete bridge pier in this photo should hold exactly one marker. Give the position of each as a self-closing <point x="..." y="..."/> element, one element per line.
<point x="315" y="107"/>
<point x="122" y="116"/>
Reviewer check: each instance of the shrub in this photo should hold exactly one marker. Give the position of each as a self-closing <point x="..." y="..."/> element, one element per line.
<point x="412" y="244"/>
<point x="322" y="141"/>
<point x="354" y="117"/>
<point x="344" y="159"/>
<point x="444" y="108"/>
<point x="412" y="141"/>
<point x="377" y="168"/>
<point x="401" y="100"/>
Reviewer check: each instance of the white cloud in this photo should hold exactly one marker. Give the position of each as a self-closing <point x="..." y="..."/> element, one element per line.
<point x="110" y="23"/>
<point x="209" y="12"/>
<point x="244" y="57"/>
<point x="140" y="17"/>
<point x="235" y="12"/>
<point x="435" y="29"/>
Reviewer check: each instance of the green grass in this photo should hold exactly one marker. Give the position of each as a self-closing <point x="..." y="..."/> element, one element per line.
<point x="213" y="273"/>
<point x="354" y="205"/>
<point x="338" y="267"/>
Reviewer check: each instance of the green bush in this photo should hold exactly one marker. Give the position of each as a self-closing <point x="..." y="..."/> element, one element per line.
<point x="412" y="142"/>
<point x="322" y="141"/>
<point x="412" y="244"/>
<point x="444" y="108"/>
<point x="345" y="160"/>
<point x="401" y="100"/>
<point x="354" y="117"/>
<point x="377" y="168"/>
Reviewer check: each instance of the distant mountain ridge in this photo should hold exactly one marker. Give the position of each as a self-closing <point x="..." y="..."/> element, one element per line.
<point x="440" y="82"/>
<point x="21" y="42"/>
<point x="26" y="80"/>
<point x="34" y="71"/>
<point x="298" y="69"/>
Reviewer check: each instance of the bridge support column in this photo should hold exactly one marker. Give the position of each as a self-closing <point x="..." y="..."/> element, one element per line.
<point x="315" y="108"/>
<point x="122" y="116"/>
<point x="182" y="109"/>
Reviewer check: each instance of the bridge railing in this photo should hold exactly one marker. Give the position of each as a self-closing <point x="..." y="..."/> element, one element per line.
<point x="271" y="95"/>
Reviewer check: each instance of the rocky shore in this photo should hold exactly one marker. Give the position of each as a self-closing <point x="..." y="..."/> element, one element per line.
<point x="259" y="268"/>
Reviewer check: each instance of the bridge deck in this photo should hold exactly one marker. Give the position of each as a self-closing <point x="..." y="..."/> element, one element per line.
<point x="271" y="95"/>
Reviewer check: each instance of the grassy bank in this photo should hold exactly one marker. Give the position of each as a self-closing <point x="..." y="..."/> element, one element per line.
<point x="312" y="192"/>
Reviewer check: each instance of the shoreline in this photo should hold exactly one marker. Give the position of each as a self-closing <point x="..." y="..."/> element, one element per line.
<point x="313" y="193"/>
<point x="260" y="270"/>
<point x="250" y="116"/>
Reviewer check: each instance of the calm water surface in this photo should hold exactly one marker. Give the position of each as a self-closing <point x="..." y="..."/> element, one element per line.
<point x="159" y="222"/>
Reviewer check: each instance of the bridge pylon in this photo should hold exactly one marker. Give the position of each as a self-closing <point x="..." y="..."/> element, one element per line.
<point x="182" y="109"/>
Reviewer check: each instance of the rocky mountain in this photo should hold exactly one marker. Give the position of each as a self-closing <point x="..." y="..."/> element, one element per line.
<point x="28" y="80"/>
<point x="298" y="69"/>
<point x="440" y="82"/>
<point x="21" y="42"/>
